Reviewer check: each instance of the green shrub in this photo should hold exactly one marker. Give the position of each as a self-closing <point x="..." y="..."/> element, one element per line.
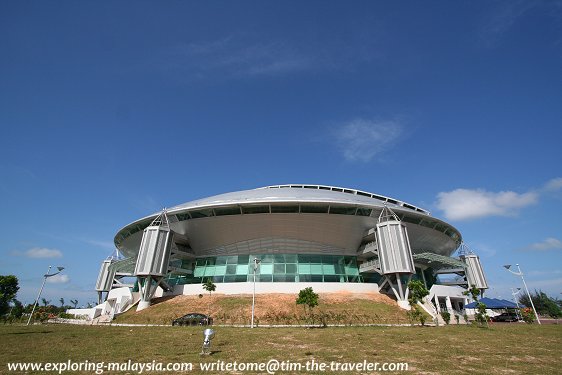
<point x="446" y="317"/>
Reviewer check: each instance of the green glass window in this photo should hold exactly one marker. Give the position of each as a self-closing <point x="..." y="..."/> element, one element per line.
<point x="220" y="261"/>
<point x="331" y="278"/>
<point x="291" y="268"/>
<point x="199" y="272"/>
<point x="328" y="269"/>
<point x="304" y="269"/>
<point x="279" y="268"/>
<point x="209" y="271"/>
<point x="242" y="269"/>
<point x="266" y="269"/>
<point x="316" y="269"/>
<point x="291" y="258"/>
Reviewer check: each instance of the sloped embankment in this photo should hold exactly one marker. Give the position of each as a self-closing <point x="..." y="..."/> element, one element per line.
<point x="334" y="308"/>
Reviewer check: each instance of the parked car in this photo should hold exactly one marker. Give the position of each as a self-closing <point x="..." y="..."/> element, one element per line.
<point x="505" y="317"/>
<point x="193" y="319"/>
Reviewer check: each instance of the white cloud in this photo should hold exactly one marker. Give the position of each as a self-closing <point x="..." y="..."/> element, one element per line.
<point x="362" y="140"/>
<point x="238" y="57"/>
<point x="547" y="244"/>
<point x="103" y="244"/>
<point x="58" y="279"/>
<point x="554" y="184"/>
<point x="501" y="20"/>
<point x="40" y="252"/>
<point x="465" y="204"/>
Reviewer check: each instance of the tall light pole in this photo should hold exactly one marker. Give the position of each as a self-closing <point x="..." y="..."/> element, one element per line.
<point x="519" y="273"/>
<point x="47" y="275"/>
<point x="514" y="293"/>
<point x="256" y="262"/>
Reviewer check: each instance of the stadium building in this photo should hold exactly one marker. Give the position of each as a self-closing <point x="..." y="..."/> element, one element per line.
<point x="289" y="237"/>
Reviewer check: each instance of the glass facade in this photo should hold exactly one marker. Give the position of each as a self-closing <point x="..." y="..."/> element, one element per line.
<point x="272" y="268"/>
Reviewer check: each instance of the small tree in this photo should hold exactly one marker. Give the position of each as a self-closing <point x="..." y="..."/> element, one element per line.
<point x="528" y="315"/>
<point x="74" y="302"/>
<point x="418" y="292"/>
<point x="446" y="317"/>
<point x="209" y="286"/>
<point x="309" y="299"/>
<point x="61" y="300"/>
<point x="8" y="289"/>
<point x="17" y="310"/>
<point x="480" y="316"/>
<point x="544" y="304"/>
<point x="45" y="302"/>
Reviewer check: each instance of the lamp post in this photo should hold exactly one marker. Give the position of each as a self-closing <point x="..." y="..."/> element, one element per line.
<point x="519" y="273"/>
<point x="47" y="275"/>
<point x="514" y="293"/>
<point x="256" y="262"/>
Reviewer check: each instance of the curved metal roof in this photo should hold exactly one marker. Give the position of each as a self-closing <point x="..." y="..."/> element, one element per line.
<point x="300" y="193"/>
<point x="294" y="194"/>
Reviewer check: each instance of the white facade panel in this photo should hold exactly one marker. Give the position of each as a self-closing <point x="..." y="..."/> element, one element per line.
<point x="105" y="277"/>
<point x="395" y="253"/>
<point x="475" y="272"/>
<point x="154" y="252"/>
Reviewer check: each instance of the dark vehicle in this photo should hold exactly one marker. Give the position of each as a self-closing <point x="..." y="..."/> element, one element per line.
<point x="193" y="319"/>
<point x="505" y="317"/>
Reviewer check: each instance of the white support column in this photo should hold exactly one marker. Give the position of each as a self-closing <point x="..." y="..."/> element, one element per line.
<point x="399" y="282"/>
<point x="423" y="277"/>
<point x="448" y="304"/>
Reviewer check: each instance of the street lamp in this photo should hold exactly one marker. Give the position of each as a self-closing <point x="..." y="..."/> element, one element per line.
<point x="256" y="262"/>
<point x="519" y="273"/>
<point x="47" y="275"/>
<point x="514" y="293"/>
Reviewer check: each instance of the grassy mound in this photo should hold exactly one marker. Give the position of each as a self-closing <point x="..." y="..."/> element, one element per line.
<point x="335" y="308"/>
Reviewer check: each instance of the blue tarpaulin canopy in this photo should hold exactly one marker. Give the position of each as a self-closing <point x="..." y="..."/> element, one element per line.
<point x="493" y="303"/>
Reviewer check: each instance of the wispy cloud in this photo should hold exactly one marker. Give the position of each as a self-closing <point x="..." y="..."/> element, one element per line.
<point x="242" y="55"/>
<point x="39" y="252"/>
<point x="553" y="185"/>
<point x="58" y="279"/>
<point x="499" y="21"/>
<point x="235" y="56"/>
<point x="466" y="204"/>
<point x="102" y="244"/>
<point x="362" y="140"/>
<point x="545" y="245"/>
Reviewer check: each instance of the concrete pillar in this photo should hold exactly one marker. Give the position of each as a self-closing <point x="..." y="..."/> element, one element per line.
<point x="448" y="304"/>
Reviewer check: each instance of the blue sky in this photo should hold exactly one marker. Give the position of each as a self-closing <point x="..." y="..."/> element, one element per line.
<point x="111" y="111"/>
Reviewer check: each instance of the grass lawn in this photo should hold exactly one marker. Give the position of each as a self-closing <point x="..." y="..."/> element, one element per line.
<point x="504" y="348"/>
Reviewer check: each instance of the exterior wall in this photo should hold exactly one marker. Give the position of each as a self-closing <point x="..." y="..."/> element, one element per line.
<point x="447" y="291"/>
<point x="264" y="288"/>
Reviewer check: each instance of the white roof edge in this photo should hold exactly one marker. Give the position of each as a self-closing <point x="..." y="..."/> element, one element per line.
<point x="355" y="191"/>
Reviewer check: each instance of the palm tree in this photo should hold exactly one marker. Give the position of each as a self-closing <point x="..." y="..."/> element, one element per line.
<point x="45" y="302"/>
<point x="61" y="302"/>
<point x="74" y="302"/>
